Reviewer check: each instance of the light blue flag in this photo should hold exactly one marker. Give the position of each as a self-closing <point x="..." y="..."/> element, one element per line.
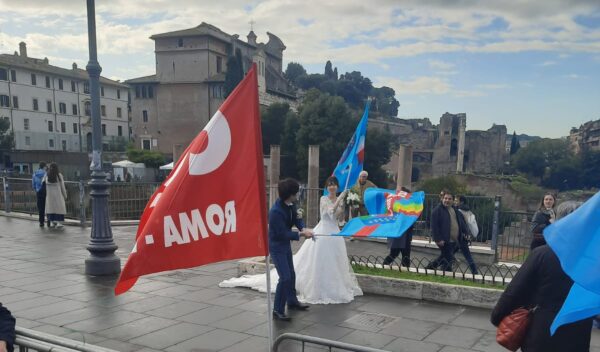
<point x="576" y="241"/>
<point x="351" y="162"/>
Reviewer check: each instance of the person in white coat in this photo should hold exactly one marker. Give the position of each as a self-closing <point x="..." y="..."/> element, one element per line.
<point x="56" y="194"/>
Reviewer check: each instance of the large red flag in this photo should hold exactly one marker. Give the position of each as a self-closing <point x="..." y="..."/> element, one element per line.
<point x="212" y="206"/>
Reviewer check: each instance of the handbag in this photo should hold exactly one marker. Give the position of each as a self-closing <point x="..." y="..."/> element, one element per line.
<point x="512" y="329"/>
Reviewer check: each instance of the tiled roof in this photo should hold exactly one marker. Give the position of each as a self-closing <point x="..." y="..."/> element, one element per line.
<point x="145" y="79"/>
<point x="40" y="65"/>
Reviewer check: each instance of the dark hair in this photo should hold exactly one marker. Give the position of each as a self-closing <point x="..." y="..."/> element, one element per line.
<point x="404" y="189"/>
<point x="287" y="188"/>
<point x="42" y="164"/>
<point x="462" y="199"/>
<point x="331" y="180"/>
<point x="447" y="192"/>
<point x="542" y="202"/>
<point x="53" y="173"/>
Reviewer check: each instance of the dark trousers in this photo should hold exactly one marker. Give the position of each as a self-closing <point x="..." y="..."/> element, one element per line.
<point x="463" y="246"/>
<point x="446" y="258"/>
<point x="286" y="287"/>
<point x="41" y="205"/>
<point x="395" y="252"/>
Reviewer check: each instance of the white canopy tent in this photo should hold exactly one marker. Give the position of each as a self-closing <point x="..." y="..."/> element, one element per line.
<point x="128" y="164"/>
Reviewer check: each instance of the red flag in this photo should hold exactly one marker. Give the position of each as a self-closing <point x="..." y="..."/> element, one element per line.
<point x="212" y="207"/>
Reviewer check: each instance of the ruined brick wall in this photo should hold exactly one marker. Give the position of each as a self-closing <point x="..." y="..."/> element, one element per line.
<point x="485" y="151"/>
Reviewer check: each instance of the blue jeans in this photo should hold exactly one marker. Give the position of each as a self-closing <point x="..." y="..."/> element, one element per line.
<point x="286" y="287"/>
<point x="446" y="258"/>
<point x="464" y="248"/>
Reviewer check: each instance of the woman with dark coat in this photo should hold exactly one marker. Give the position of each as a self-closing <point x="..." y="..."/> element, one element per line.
<point x="542" y="218"/>
<point x="541" y="282"/>
<point x="7" y="330"/>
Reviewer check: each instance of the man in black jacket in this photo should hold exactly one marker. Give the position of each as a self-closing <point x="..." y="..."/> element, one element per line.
<point x="7" y="330"/>
<point x="448" y="229"/>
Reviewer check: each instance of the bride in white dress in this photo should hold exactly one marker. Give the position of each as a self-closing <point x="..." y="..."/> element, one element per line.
<point x="323" y="272"/>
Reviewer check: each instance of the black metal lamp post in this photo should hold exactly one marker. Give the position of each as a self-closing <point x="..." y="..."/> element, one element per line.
<point x="102" y="259"/>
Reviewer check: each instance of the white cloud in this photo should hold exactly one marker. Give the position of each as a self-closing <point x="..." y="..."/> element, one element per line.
<point x="572" y="76"/>
<point x="440" y="65"/>
<point x="548" y="63"/>
<point x="493" y="86"/>
<point x="425" y="85"/>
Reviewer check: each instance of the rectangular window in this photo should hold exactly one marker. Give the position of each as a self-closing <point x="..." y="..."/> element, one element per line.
<point x="73" y="86"/>
<point x="49" y="106"/>
<point x="62" y="107"/>
<point x="3" y="74"/>
<point x="75" y="128"/>
<point x="15" y="102"/>
<point x="27" y="140"/>
<point x="144" y="92"/>
<point x="60" y="84"/>
<point x="145" y="116"/>
<point x="51" y="143"/>
<point x="26" y="124"/>
<point x="219" y="64"/>
<point x="86" y="87"/>
<point x="33" y="80"/>
<point x="87" y="107"/>
<point x="145" y="144"/>
<point x="74" y="109"/>
<point x="4" y="101"/>
<point x="118" y="94"/>
<point x="103" y="110"/>
<point x="64" y="146"/>
<point x="137" y="91"/>
<point x="50" y="126"/>
<point x="63" y="127"/>
<point x="150" y="92"/>
<point x="119" y="113"/>
<point x="104" y="129"/>
<point x="180" y="42"/>
<point x="101" y="91"/>
<point x="119" y="131"/>
<point x="35" y="104"/>
<point x="13" y="75"/>
<point x="47" y="82"/>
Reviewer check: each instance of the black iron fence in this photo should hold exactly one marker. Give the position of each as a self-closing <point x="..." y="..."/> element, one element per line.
<point x="506" y="232"/>
<point x="495" y="274"/>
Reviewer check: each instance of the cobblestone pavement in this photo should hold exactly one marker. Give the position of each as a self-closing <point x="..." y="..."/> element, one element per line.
<point x="42" y="283"/>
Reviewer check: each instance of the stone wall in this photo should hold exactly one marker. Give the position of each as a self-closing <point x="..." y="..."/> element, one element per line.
<point x="485" y="151"/>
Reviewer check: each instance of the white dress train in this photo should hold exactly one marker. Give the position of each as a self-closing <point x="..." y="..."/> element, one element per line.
<point x="323" y="271"/>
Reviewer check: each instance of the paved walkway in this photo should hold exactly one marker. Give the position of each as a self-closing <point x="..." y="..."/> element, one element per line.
<point x="42" y="282"/>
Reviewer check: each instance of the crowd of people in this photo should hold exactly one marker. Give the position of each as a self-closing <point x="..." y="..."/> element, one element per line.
<point x="49" y="186"/>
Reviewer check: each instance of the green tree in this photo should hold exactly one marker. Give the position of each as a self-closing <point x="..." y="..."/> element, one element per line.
<point x="335" y="74"/>
<point x="539" y="155"/>
<point x="590" y="165"/>
<point x="514" y="144"/>
<point x="329" y="70"/>
<point x="235" y="72"/>
<point x="7" y="138"/>
<point x="293" y="71"/>
<point x="378" y="151"/>
<point x="385" y="101"/>
<point x="436" y="185"/>
<point x="326" y="121"/>
<point x="272" y="121"/>
<point x="307" y="82"/>
<point x="289" y="166"/>
<point x="150" y="158"/>
<point x="563" y="174"/>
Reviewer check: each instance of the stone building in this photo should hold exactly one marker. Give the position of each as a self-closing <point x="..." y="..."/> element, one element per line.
<point x="587" y="136"/>
<point x="448" y="147"/>
<point x="170" y="107"/>
<point x="49" y="109"/>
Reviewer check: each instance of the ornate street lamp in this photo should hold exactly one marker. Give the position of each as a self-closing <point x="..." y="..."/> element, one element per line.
<point x="102" y="259"/>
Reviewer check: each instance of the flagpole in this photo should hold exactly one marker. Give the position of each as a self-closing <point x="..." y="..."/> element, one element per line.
<point x="269" y="304"/>
<point x="348" y="177"/>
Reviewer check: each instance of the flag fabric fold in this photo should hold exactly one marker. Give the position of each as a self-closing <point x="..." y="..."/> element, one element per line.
<point x="351" y="163"/>
<point x="391" y="214"/>
<point x="212" y="206"/>
<point x="576" y="241"/>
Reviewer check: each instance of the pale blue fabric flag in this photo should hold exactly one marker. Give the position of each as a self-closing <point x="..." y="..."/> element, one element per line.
<point x="576" y="241"/>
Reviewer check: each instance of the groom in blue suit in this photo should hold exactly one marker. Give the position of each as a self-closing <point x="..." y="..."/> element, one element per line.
<point x="282" y="216"/>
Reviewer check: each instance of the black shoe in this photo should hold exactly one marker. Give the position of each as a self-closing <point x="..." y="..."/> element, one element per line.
<point x="42" y="225"/>
<point x="298" y="306"/>
<point x="281" y="316"/>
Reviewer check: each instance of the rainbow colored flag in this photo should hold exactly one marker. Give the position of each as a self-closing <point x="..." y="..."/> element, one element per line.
<point x="406" y="209"/>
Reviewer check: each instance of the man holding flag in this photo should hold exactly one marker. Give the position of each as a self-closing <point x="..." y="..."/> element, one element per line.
<point x="359" y="188"/>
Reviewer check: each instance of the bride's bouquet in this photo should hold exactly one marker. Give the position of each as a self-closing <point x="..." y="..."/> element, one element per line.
<point x="352" y="199"/>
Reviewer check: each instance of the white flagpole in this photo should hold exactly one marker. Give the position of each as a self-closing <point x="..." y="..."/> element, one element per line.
<point x="269" y="304"/>
<point x="348" y="177"/>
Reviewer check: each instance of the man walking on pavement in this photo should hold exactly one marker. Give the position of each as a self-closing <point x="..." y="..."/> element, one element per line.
<point x="448" y="230"/>
<point x="40" y="190"/>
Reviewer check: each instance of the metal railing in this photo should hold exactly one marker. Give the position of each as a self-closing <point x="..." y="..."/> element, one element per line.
<point x="305" y="339"/>
<point x="515" y="239"/>
<point x="31" y="340"/>
<point x="494" y="274"/>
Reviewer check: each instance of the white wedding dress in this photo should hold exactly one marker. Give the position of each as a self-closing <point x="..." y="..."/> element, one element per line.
<point x="323" y="272"/>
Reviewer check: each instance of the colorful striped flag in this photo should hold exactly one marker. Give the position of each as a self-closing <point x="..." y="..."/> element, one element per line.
<point x="407" y="207"/>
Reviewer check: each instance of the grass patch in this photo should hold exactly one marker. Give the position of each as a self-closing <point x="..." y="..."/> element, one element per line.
<point x="359" y="269"/>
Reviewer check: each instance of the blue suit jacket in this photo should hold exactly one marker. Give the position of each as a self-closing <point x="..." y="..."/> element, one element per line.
<point x="281" y="219"/>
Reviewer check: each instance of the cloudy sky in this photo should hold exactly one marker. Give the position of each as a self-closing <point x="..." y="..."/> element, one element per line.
<point x="533" y="65"/>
